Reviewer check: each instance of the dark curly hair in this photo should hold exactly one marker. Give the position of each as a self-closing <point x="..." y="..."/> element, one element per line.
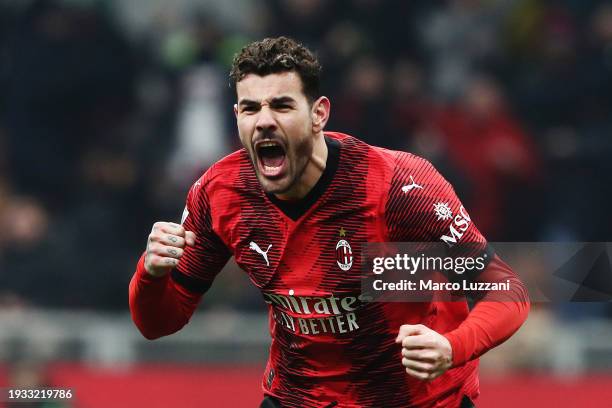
<point x="274" y="55"/>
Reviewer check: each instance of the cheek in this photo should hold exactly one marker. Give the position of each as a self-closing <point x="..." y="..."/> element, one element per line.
<point x="303" y="148"/>
<point x="245" y="133"/>
<point x="243" y="138"/>
<point x="303" y="128"/>
<point x="300" y="138"/>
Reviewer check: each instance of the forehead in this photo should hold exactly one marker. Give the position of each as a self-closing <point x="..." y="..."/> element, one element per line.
<point x="257" y="88"/>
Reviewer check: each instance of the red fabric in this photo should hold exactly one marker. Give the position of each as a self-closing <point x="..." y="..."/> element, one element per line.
<point x="172" y="385"/>
<point x="328" y="343"/>
<point x="163" y="386"/>
<point x="494" y="319"/>
<point x="159" y="306"/>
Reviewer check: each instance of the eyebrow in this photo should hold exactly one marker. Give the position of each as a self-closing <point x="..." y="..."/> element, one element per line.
<point x="275" y="101"/>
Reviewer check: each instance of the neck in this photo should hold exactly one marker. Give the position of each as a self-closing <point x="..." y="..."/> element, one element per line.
<point x="312" y="173"/>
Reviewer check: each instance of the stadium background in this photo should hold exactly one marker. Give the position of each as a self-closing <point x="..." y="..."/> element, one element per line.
<point x="110" y="109"/>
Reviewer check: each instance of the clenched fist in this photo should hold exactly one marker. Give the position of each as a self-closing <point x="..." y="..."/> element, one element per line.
<point x="165" y="247"/>
<point x="426" y="354"/>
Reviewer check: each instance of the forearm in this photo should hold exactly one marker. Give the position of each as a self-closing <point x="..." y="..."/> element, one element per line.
<point x="496" y="317"/>
<point x="159" y="306"/>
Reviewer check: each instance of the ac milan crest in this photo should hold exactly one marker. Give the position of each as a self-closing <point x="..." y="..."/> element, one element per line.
<point x="344" y="253"/>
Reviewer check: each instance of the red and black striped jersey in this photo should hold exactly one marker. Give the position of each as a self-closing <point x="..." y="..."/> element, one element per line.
<point x="329" y="344"/>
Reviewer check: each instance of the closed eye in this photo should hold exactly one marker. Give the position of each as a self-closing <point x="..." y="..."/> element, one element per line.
<point x="249" y="108"/>
<point x="282" y="103"/>
<point x="282" y="107"/>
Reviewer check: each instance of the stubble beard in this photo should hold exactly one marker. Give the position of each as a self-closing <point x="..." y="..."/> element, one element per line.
<point x="298" y="158"/>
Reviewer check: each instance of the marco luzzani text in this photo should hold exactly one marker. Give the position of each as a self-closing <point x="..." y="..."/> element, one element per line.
<point x="415" y="266"/>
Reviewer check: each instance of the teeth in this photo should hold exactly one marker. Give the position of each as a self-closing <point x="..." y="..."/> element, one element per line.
<point x="268" y="168"/>
<point x="268" y="144"/>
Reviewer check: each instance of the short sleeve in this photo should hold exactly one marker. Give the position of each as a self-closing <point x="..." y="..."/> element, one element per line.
<point x="203" y="261"/>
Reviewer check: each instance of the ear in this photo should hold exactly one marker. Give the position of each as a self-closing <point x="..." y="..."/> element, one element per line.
<point x="236" y="110"/>
<point x="320" y="113"/>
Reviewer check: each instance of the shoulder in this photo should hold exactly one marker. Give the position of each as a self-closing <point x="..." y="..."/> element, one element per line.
<point x="422" y="205"/>
<point x="395" y="172"/>
<point x="223" y="172"/>
<point x="220" y="178"/>
<point x="415" y="188"/>
<point x="416" y="180"/>
<point x="411" y="173"/>
<point x="405" y="163"/>
<point x="391" y="159"/>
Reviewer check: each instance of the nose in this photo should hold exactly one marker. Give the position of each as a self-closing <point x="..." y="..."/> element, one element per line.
<point x="265" y="120"/>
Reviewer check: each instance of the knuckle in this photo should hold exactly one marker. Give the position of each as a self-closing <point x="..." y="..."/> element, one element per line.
<point x="174" y="251"/>
<point x="160" y="249"/>
<point x="170" y="261"/>
<point x="153" y="260"/>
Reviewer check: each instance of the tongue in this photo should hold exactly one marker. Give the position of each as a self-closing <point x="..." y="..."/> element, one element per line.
<point x="275" y="161"/>
<point x="272" y="157"/>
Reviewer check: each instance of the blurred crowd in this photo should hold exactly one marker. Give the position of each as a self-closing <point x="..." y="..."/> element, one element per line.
<point x="105" y="123"/>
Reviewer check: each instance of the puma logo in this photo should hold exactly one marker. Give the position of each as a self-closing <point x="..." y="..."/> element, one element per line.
<point x="410" y="186"/>
<point x="254" y="247"/>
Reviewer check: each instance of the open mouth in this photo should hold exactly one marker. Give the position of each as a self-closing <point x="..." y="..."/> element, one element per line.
<point x="272" y="158"/>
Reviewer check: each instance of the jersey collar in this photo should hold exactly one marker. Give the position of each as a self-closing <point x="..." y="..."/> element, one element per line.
<point x="294" y="209"/>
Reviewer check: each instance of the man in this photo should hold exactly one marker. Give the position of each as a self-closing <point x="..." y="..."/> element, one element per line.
<point x="294" y="208"/>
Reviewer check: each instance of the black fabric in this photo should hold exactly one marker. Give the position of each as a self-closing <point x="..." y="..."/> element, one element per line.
<point x="466" y="402"/>
<point x="189" y="283"/>
<point x="269" y="402"/>
<point x="295" y="209"/>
